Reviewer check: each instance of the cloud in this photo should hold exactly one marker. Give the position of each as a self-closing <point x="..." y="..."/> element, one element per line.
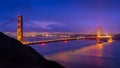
<point x="42" y="25"/>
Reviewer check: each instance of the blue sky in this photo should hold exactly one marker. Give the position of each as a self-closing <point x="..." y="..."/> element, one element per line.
<point x="65" y="15"/>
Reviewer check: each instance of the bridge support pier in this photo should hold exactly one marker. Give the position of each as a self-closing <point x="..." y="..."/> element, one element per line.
<point x="99" y="40"/>
<point x="110" y="39"/>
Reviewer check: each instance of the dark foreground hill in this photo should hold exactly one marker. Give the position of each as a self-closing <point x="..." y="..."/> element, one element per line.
<point x="14" y="54"/>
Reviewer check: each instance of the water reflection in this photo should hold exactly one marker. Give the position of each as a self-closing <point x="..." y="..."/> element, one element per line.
<point x="62" y="57"/>
<point x="93" y="56"/>
<point x="99" y="45"/>
<point x="99" y="48"/>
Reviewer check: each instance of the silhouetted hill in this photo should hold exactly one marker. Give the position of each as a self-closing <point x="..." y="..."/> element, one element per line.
<point x="14" y="54"/>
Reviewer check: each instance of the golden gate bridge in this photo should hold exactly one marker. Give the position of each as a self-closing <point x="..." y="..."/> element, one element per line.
<point x="19" y="34"/>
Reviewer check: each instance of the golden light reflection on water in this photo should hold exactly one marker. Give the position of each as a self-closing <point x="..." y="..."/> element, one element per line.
<point x="99" y="49"/>
<point x="92" y="55"/>
<point x="99" y="46"/>
<point x="62" y="57"/>
<point x="92" y="50"/>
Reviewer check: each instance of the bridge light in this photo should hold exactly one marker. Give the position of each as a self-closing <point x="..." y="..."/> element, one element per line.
<point x="110" y="40"/>
<point x="47" y="35"/>
<point x="65" y="41"/>
<point x="42" y="44"/>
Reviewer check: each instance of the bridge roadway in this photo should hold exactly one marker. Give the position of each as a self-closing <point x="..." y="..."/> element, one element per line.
<point x="50" y="41"/>
<point x="63" y="39"/>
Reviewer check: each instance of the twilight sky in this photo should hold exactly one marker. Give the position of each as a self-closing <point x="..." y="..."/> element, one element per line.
<point x="81" y="16"/>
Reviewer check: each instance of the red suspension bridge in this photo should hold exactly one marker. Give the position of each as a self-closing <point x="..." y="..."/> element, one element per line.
<point x="20" y="34"/>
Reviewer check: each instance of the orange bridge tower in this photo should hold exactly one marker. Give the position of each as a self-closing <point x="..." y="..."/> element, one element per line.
<point x="99" y="34"/>
<point x="20" y="29"/>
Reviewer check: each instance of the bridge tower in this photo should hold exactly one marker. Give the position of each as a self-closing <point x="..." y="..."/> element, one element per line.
<point x="99" y="34"/>
<point x="20" y="29"/>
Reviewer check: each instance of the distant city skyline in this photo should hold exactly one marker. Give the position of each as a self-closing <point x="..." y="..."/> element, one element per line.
<point x="82" y="16"/>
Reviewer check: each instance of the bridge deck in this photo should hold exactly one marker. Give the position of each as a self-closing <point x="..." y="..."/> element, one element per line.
<point x="63" y="39"/>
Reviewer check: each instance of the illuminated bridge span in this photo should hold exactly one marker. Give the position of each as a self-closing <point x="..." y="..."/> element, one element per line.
<point x="20" y="35"/>
<point x="50" y="41"/>
<point x="67" y="39"/>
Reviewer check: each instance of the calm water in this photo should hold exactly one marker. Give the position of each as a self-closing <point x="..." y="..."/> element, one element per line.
<point x="82" y="53"/>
